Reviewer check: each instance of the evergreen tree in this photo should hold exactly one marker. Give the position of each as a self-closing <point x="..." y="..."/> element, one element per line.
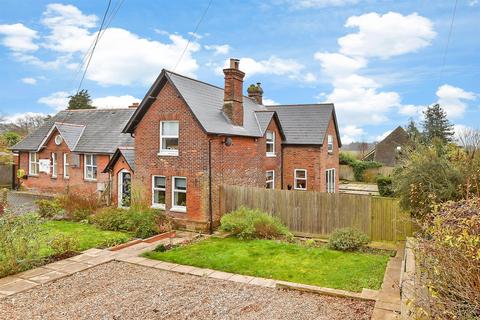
<point x="80" y="100"/>
<point x="413" y="133"/>
<point x="436" y="124"/>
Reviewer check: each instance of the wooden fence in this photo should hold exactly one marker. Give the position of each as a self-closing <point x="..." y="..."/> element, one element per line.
<point x="316" y="214"/>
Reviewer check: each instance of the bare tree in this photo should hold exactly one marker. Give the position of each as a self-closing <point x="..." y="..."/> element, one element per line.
<point x="469" y="140"/>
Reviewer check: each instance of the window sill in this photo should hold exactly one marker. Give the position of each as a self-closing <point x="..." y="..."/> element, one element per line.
<point x="300" y="189"/>
<point x="167" y="154"/>
<point x="158" y="206"/>
<point x="90" y="180"/>
<point x="66" y="178"/>
<point x="178" y="209"/>
<point x="33" y="175"/>
<point x="53" y="177"/>
<point x="271" y="155"/>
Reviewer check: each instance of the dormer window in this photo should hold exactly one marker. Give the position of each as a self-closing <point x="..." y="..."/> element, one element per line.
<point x="169" y="138"/>
<point x="270" y="143"/>
<point x="330" y="143"/>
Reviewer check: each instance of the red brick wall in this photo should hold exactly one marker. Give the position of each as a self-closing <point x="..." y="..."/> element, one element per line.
<point x="120" y="164"/>
<point x="314" y="159"/>
<point x="45" y="183"/>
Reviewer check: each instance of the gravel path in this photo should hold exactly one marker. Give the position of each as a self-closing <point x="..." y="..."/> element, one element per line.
<point x="118" y="290"/>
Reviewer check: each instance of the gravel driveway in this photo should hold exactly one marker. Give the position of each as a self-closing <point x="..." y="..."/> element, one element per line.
<point x="118" y="290"/>
<point x="21" y="202"/>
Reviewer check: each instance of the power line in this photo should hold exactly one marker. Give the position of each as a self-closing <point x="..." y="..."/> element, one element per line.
<point x="194" y="32"/>
<point x="94" y="45"/>
<point x="449" y="36"/>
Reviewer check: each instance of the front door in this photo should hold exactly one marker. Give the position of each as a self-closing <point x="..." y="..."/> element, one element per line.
<point x="124" y="188"/>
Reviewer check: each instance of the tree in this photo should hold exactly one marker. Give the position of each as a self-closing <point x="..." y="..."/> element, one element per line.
<point x="413" y="133"/>
<point x="80" y="100"/>
<point x="11" y="138"/>
<point x="23" y="125"/>
<point x="436" y="124"/>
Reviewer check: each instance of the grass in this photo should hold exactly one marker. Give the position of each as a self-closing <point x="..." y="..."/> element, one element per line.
<point x="283" y="261"/>
<point x="87" y="235"/>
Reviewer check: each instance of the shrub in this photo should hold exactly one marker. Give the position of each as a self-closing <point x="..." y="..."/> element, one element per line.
<point x="63" y="244"/>
<point x="250" y="224"/>
<point x="385" y="186"/>
<point x="79" y="203"/>
<point x="347" y="239"/>
<point x="142" y="223"/>
<point x="20" y="238"/>
<point x="358" y="166"/>
<point x="48" y="208"/>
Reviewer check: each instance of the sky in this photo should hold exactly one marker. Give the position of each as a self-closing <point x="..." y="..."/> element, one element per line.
<point x="380" y="62"/>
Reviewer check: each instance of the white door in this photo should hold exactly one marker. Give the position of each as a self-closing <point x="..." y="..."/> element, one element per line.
<point x="124" y="188"/>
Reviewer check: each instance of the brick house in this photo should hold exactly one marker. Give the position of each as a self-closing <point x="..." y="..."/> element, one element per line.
<point x="190" y="137"/>
<point x="388" y="150"/>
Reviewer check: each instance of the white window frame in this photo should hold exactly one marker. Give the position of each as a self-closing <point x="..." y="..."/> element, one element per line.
<point x="33" y="164"/>
<point x="85" y="165"/>
<point x="158" y="205"/>
<point x="272" y="181"/>
<point x="295" y="179"/>
<point x="330" y="143"/>
<point x="168" y="152"/>
<point x="66" y="166"/>
<point x="272" y="142"/>
<point x="175" y="207"/>
<point x="330" y="178"/>
<point x="53" y="157"/>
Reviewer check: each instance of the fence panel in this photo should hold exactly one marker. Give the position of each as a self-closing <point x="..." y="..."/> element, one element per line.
<point x="319" y="214"/>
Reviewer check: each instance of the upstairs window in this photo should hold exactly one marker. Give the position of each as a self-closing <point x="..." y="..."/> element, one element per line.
<point x="158" y="191"/>
<point x="65" y="166"/>
<point x="169" y="138"/>
<point x="270" y="143"/>
<point x="90" y="167"/>
<point x="300" y="179"/>
<point x="270" y="179"/>
<point x="54" y="164"/>
<point x="330" y="143"/>
<point x="330" y="180"/>
<point x="33" y="164"/>
<point x="179" y="197"/>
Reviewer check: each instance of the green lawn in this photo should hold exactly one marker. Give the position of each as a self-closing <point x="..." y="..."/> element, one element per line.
<point x="88" y="236"/>
<point x="283" y="261"/>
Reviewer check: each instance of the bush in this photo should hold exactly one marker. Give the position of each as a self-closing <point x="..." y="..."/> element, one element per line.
<point x="250" y="224"/>
<point x="347" y="239"/>
<point x="49" y="209"/>
<point x="142" y="223"/>
<point x="358" y="166"/>
<point x="63" y="244"/>
<point x="20" y="238"/>
<point x="78" y="204"/>
<point x="385" y="186"/>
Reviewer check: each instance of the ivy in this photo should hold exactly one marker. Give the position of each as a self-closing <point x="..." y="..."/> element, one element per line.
<point x="358" y="166"/>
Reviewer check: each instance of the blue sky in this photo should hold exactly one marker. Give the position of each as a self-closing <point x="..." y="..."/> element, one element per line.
<point x="380" y="62"/>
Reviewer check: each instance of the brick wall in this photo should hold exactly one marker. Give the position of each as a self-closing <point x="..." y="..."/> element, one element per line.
<point x="45" y="183"/>
<point x="120" y="164"/>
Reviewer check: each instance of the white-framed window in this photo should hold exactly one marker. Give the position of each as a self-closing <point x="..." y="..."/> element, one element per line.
<point x="90" y="167"/>
<point x="300" y="182"/>
<point x="54" y="164"/>
<point x="33" y="164"/>
<point x="159" y="184"/>
<point x="330" y="143"/>
<point x="330" y="180"/>
<point x="270" y="143"/>
<point x="58" y="140"/>
<point x="65" y="166"/>
<point x="179" y="194"/>
<point x="169" y="138"/>
<point x="270" y="179"/>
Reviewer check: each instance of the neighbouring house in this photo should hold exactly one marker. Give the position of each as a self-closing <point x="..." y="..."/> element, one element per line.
<point x="190" y="137"/>
<point x="387" y="151"/>
<point x="71" y="150"/>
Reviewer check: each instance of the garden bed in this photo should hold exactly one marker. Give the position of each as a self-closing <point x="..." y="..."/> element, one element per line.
<point x="292" y="262"/>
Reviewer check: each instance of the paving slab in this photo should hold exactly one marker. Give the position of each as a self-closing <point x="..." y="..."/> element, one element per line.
<point x="149" y="262"/>
<point x="221" y="275"/>
<point x="33" y="273"/>
<point x="241" y="278"/>
<point x="8" y="280"/>
<point x="370" y="294"/>
<point x="93" y="251"/>
<point x="82" y="257"/>
<point x="380" y="314"/>
<point x="263" y="282"/>
<point x="58" y="264"/>
<point x="74" y="267"/>
<point x="201" y="272"/>
<point x="49" y="276"/>
<point x="166" y="265"/>
<point x="16" y="286"/>
<point x="99" y="260"/>
<point x="182" y="269"/>
<point x="132" y="259"/>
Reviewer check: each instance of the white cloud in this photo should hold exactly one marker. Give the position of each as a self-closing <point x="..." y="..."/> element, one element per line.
<point x="383" y="135"/>
<point x="309" y="77"/>
<point x="195" y="35"/>
<point x="29" y="80"/>
<point x="307" y="4"/>
<point x="472" y="3"/>
<point x="114" y="101"/>
<point x="411" y="110"/>
<point x="269" y="102"/>
<point x="336" y="64"/>
<point x="452" y="100"/>
<point x="18" y="38"/>
<point x="386" y="35"/>
<point x="12" y="118"/>
<point x="351" y="134"/>
<point x="57" y="100"/>
<point x="219" y="49"/>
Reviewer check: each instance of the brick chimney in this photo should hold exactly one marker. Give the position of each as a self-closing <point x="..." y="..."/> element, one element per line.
<point x="134" y="105"/>
<point x="256" y="92"/>
<point x="233" y="99"/>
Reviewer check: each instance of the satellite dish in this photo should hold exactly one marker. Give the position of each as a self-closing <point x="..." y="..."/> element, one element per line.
<point x="228" y="141"/>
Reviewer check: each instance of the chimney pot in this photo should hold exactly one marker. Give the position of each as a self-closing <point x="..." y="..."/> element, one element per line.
<point x="256" y="93"/>
<point x="134" y="105"/>
<point x="233" y="93"/>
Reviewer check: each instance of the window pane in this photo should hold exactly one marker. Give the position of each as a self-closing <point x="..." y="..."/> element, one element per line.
<point x="89" y="173"/>
<point x="301" y="184"/>
<point x="159" y="197"/>
<point x="180" y="199"/>
<point x="170" y="128"/>
<point x="170" y="143"/>
<point x="94" y="173"/>
<point x="270" y="147"/>
<point x="269" y="135"/>
<point x="94" y="160"/>
<point x="300" y="174"/>
<point x="269" y="175"/>
<point x="180" y="184"/>
<point x="159" y="182"/>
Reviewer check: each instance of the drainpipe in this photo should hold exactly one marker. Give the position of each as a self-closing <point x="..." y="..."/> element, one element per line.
<point x="210" y="201"/>
<point x="281" y="169"/>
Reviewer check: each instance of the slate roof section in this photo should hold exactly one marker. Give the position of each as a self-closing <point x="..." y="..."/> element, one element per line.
<point x="263" y="119"/>
<point x="71" y="133"/>
<point x="102" y="132"/>
<point x="305" y="124"/>
<point x="128" y="154"/>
